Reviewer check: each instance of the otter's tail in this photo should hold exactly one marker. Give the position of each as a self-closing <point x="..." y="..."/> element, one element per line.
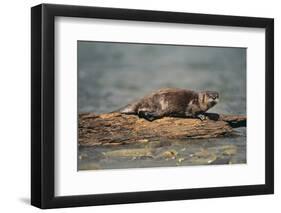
<point x="128" y="109"/>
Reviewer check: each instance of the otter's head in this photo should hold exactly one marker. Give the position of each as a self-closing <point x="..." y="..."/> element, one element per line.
<point x="209" y="99"/>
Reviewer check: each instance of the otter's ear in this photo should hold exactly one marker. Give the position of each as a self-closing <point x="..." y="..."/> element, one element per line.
<point x="216" y="94"/>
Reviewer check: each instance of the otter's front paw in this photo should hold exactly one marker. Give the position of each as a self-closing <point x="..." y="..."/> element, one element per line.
<point x="146" y="115"/>
<point x="202" y="117"/>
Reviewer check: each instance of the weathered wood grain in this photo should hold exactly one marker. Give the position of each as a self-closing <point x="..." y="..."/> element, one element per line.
<point x="116" y="128"/>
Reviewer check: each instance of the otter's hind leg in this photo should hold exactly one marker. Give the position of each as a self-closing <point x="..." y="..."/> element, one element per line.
<point x="150" y="116"/>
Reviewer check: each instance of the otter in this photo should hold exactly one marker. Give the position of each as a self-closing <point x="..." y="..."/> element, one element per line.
<point x="172" y="102"/>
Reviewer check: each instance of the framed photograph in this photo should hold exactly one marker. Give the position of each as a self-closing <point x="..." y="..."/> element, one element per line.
<point x="139" y="106"/>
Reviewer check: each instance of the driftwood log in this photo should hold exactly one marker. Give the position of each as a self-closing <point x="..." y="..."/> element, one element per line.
<point x="116" y="128"/>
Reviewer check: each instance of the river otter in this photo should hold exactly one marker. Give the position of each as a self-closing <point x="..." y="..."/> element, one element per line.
<point x="171" y="102"/>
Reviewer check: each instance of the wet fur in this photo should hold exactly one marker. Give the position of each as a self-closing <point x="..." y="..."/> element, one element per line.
<point x="173" y="103"/>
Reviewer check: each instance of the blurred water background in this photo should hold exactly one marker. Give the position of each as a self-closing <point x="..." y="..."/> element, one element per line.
<point x="110" y="75"/>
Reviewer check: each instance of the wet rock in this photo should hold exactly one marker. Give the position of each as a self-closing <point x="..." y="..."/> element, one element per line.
<point x="230" y="151"/>
<point x="139" y="152"/>
<point x="221" y="161"/>
<point x="179" y="160"/>
<point x="203" y="157"/>
<point x="89" y="166"/>
<point x="83" y="156"/>
<point x="158" y="143"/>
<point x="170" y="154"/>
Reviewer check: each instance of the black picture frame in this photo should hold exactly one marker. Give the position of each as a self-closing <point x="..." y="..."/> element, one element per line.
<point x="43" y="117"/>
